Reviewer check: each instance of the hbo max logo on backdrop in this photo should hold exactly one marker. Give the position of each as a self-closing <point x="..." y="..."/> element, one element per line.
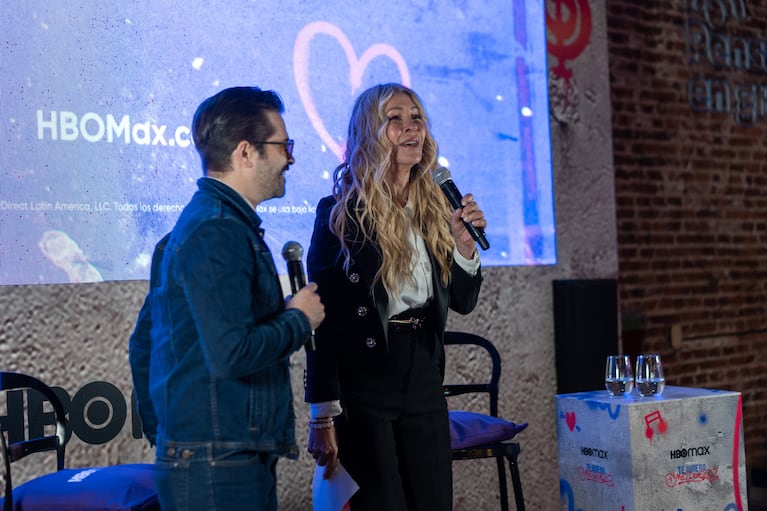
<point x="97" y="413"/>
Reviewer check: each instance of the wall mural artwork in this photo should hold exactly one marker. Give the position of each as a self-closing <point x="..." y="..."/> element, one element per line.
<point x="568" y="26"/>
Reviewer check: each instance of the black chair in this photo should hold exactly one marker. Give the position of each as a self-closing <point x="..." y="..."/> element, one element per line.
<point x="477" y="436"/>
<point x="120" y="487"/>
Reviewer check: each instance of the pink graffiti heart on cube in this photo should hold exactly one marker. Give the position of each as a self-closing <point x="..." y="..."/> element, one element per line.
<point x="570" y="420"/>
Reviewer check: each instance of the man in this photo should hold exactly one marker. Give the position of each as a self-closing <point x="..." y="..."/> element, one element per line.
<point x="210" y="353"/>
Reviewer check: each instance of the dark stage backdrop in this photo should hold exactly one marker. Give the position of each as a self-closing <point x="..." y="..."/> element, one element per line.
<point x="96" y="98"/>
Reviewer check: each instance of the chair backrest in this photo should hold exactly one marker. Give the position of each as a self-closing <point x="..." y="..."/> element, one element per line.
<point x="14" y="451"/>
<point x="489" y="387"/>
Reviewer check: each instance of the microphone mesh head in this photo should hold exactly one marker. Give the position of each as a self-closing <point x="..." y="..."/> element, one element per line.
<point x="441" y="175"/>
<point x="292" y="251"/>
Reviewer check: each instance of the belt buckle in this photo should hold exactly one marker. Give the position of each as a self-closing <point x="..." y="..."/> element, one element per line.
<point x="416" y="323"/>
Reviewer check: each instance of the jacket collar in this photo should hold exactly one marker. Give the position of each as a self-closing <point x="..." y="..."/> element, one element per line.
<point x="232" y="196"/>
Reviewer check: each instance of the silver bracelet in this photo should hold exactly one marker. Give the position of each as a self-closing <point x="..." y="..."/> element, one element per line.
<point x="324" y="423"/>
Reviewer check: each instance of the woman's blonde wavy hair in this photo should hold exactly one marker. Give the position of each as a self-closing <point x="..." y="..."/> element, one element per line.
<point x="366" y="205"/>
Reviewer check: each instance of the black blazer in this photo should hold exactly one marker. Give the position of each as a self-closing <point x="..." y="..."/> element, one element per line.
<point x="351" y="342"/>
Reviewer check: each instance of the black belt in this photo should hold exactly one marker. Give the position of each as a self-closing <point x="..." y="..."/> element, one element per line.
<point x="415" y="319"/>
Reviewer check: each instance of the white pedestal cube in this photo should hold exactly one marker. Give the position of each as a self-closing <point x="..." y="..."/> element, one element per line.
<point x="680" y="451"/>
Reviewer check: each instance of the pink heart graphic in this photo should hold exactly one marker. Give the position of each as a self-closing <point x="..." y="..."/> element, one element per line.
<point x="570" y="420"/>
<point x="356" y="69"/>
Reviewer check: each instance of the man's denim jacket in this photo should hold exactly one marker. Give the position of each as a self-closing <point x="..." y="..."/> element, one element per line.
<point x="215" y="368"/>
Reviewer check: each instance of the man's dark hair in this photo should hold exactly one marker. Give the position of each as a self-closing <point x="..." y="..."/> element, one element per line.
<point x="231" y="116"/>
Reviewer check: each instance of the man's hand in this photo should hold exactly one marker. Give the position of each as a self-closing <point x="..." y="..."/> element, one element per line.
<point x="308" y="301"/>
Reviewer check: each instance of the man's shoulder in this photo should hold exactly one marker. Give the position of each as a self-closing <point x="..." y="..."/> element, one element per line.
<point x="205" y="222"/>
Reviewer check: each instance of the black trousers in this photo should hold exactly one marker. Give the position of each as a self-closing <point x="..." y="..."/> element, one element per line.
<point x="399" y="453"/>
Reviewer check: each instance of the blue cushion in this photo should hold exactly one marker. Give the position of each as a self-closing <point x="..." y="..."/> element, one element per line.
<point x="119" y="487"/>
<point x="469" y="429"/>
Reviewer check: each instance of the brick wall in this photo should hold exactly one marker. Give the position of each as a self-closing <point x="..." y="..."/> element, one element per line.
<point x="689" y="113"/>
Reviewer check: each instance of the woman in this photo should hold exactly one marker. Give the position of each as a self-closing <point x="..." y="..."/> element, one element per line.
<point x="389" y="256"/>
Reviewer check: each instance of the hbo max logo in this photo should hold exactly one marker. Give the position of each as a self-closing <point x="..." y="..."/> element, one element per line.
<point x="96" y="413"/>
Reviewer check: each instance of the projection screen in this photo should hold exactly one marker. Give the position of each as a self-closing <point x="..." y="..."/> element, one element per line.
<point x="96" y="99"/>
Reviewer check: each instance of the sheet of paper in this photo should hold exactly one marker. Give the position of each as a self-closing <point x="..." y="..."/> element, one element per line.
<point x="331" y="494"/>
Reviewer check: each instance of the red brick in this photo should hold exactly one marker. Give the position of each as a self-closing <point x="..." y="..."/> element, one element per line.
<point x="691" y="207"/>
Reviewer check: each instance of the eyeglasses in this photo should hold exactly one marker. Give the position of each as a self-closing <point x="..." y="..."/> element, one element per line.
<point x="288" y="144"/>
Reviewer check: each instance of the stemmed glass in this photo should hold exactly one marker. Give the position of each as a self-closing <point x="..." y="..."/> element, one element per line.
<point x="649" y="375"/>
<point x="618" y="377"/>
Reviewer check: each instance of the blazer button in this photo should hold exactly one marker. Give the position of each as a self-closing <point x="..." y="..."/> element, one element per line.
<point x="362" y="311"/>
<point x="354" y="278"/>
<point x="370" y="342"/>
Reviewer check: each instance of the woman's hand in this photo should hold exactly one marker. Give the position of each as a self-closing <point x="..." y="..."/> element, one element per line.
<point x="469" y="213"/>
<point x="323" y="446"/>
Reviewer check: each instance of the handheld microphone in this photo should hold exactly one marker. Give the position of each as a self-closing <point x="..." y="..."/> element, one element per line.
<point x="292" y="252"/>
<point x="441" y="176"/>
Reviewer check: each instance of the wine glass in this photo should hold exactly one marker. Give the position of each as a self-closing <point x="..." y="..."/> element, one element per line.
<point x="649" y="375"/>
<point x="618" y="377"/>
